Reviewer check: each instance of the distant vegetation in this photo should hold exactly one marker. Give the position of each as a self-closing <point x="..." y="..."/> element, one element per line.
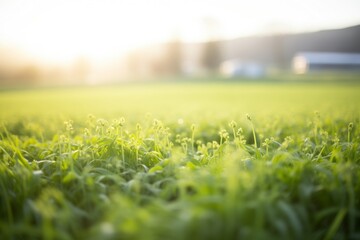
<point x="175" y="58"/>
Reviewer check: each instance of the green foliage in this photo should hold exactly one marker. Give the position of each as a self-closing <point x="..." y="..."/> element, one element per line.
<point x="258" y="177"/>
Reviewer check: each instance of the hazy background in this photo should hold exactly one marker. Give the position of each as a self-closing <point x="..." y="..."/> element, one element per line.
<point x="53" y="42"/>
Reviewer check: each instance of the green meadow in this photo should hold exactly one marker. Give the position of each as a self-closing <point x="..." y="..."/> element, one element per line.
<point x="181" y="160"/>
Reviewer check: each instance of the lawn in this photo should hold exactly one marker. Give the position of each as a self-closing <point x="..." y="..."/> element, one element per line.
<point x="217" y="160"/>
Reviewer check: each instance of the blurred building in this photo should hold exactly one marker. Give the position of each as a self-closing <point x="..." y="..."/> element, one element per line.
<point x="305" y="62"/>
<point x="277" y="51"/>
<point x="238" y="68"/>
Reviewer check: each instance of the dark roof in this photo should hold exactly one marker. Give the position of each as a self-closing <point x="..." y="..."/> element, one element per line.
<point x="331" y="58"/>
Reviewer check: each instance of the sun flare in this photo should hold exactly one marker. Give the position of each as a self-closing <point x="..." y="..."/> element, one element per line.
<point x="68" y="31"/>
<point x="61" y="31"/>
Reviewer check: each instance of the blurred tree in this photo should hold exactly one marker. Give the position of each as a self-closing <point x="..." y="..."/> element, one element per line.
<point x="28" y="75"/>
<point x="81" y="70"/>
<point x="173" y="57"/>
<point x="211" y="56"/>
<point x="278" y="51"/>
<point x="211" y="52"/>
<point x="133" y="63"/>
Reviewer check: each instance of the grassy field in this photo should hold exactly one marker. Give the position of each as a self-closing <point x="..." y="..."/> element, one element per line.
<point x="251" y="160"/>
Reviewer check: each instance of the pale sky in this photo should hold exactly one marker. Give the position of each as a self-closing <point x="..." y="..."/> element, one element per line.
<point x="64" y="29"/>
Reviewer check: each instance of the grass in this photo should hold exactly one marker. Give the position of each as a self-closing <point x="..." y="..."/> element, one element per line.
<point x="181" y="161"/>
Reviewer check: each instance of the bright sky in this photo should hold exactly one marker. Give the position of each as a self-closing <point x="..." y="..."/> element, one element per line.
<point x="61" y="30"/>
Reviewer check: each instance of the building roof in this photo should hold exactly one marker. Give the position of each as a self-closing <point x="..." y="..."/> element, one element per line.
<point x="337" y="58"/>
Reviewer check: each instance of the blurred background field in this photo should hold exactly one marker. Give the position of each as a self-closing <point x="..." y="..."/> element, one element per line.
<point x="189" y="100"/>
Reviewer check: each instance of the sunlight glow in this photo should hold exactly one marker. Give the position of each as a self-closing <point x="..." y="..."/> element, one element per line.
<point x="93" y="40"/>
<point x="63" y="30"/>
